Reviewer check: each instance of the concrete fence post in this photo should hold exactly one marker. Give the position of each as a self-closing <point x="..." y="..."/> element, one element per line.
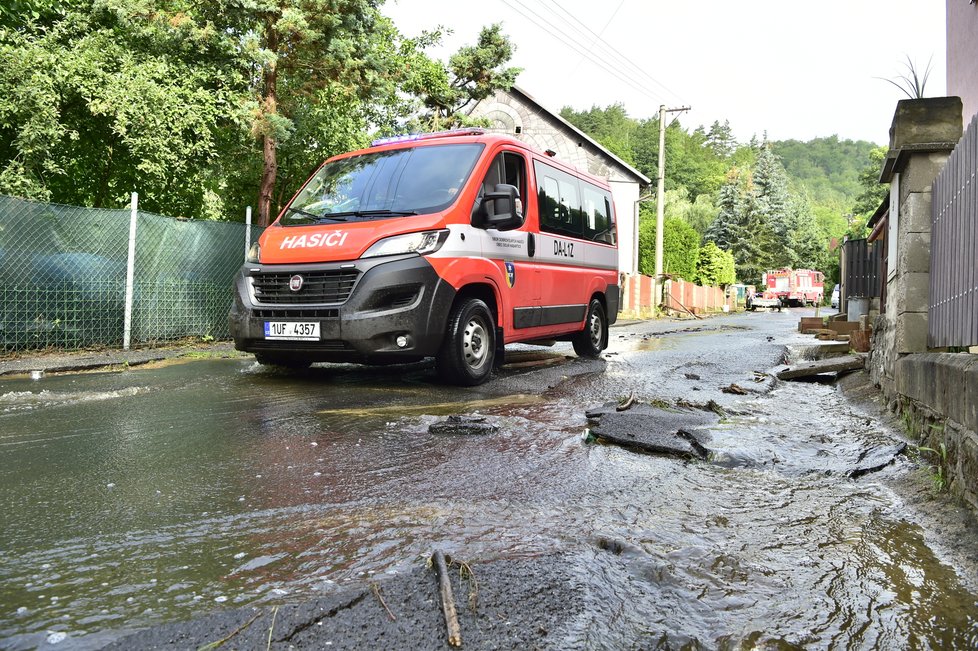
<point x="130" y="270"/>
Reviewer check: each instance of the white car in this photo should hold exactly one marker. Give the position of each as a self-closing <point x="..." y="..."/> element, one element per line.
<point x="835" y="297"/>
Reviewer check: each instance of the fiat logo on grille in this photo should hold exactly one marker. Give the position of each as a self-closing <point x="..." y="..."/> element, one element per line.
<point x="295" y="283"/>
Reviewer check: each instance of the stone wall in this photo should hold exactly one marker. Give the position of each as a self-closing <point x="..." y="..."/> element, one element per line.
<point x="935" y="393"/>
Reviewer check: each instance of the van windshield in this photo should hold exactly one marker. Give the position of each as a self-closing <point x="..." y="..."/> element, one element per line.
<point x="384" y="184"/>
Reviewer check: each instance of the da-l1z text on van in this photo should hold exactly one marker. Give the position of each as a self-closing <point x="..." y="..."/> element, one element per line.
<point x="446" y="245"/>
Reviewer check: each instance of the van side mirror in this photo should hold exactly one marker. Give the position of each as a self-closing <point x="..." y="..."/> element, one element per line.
<point x="500" y="208"/>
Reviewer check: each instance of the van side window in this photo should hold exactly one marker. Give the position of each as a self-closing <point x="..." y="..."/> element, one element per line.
<point x="572" y="207"/>
<point x="508" y="168"/>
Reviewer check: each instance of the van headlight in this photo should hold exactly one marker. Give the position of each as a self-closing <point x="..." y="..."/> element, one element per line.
<point x="254" y="253"/>
<point x="421" y="243"/>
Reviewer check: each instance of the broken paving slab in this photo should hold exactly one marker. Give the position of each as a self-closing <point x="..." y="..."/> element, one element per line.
<point x="456" y="424"/>
<point x="831" y="365"/>
<point x="674" y="432"/>
<point x="876" y="459"/>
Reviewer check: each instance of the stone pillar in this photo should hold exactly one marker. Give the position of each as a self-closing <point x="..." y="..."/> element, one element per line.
<point x="922" y="136"/>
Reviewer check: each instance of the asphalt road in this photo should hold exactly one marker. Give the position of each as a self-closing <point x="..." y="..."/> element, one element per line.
<point x="206" y="499"/>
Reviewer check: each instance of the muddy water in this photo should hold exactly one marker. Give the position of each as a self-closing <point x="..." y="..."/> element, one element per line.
<point x="150" y="495"/>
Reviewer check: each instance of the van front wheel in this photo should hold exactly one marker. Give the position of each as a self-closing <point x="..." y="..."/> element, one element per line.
<point x="469" y="349"/>
<point x="590" y="341"/>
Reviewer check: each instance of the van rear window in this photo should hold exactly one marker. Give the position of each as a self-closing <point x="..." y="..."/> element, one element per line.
<point x="573" y="207"/>
<point x="385" y="184"/>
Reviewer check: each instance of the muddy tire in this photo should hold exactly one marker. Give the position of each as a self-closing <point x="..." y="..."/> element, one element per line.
<point x="590" y="341"/>
<point x="469" y="349"/>
<point x="285" y="361"/>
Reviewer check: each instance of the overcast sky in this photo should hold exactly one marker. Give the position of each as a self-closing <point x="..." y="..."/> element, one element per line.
<point x="795" y="69"/>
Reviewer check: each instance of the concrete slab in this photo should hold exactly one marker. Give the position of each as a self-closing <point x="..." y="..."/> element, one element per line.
<point x="672" y="432"/>
<point x="876" y="459"/>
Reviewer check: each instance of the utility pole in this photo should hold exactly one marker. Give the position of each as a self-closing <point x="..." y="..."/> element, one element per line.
<point x="660" y="197"/>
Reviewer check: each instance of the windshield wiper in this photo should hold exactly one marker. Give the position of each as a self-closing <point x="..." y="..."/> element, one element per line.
<point x="368" y="213"/>
<point x="314" y="216"/>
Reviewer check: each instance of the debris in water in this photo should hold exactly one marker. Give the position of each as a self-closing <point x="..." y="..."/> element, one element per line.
<point x="735" y="389"/>
<point x="37" y="375"/>
<point x="832" y="365"/>
<point x="876" y="459"/>
<point x="626" y="403"/>
<point x="652" y="429"/>
<point x="456" y="424"/>
<point x="692" y="376"/>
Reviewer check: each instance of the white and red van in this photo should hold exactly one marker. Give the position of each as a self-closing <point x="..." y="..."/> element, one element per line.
<point x="447" y="245"/>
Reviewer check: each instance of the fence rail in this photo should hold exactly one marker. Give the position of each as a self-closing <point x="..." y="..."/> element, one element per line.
<point x="953" y="305"/>
<point x="63" y="276"/>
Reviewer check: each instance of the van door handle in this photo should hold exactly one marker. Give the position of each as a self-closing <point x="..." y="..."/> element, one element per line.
<point x="531" y="244"/>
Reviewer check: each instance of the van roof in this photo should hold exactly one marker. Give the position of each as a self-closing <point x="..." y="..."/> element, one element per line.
<point x="466" y="135"/>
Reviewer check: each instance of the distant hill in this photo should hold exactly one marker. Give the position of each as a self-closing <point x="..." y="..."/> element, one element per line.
<point x="825" y="169"/>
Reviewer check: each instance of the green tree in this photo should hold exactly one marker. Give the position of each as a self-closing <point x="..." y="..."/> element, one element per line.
<point x="473" y="73"/>
<point x="610" y="126"/>
<point x="302" y="47"/>
<point x="728" y="226"/>
<point x="715" y="267"/>
<point x="871" y="191"/>
<point x="97" y="101"/>
<point x="699" y="213"/>
<point x="680" y="246"/>
<point x="770" y="207"/>
<point x="720" y="139"/>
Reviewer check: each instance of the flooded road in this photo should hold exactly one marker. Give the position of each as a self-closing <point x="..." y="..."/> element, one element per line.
<point x="157" y="494"/>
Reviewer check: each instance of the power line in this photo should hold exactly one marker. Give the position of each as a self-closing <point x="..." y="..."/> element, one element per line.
<point x="606" y="23"/>
<point x="618" y="54"/>
<point x="570" y="42"/>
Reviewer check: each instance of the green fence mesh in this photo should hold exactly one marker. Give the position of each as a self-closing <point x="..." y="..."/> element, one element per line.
<point x="63" y="276"/>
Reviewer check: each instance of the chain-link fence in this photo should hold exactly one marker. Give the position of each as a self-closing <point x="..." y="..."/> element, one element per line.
<point x="63" y="276"/>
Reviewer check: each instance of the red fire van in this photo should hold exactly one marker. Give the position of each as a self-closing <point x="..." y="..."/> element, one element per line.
<point x="446" y="245"/>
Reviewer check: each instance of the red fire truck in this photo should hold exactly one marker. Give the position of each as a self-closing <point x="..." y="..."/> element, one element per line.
<point x="799" y="287"/>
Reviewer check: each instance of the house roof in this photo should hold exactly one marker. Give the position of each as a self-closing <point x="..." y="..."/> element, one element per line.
<point x="602" y="150"/>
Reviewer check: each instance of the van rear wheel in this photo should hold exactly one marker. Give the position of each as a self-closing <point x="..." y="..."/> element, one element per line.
<point x="469" y="349"/>
<point x="590" y="341"/>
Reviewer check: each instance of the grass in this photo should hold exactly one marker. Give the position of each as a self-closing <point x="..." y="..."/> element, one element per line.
<point x="936" y="470"/>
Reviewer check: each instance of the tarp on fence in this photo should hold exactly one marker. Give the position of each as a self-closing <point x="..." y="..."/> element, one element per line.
<point x="63" y="276"/>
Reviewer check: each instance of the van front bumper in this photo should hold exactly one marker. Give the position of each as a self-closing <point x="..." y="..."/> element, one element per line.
<point x="363" y="309"/>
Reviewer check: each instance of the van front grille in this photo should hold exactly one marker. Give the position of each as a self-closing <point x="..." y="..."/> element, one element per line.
<point x="318" y="287"/>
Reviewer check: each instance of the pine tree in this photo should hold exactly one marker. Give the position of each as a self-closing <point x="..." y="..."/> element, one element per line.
<point x="770" y="205"/>
<point x="725" y="230"/>
<point x="720" y="138"/>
